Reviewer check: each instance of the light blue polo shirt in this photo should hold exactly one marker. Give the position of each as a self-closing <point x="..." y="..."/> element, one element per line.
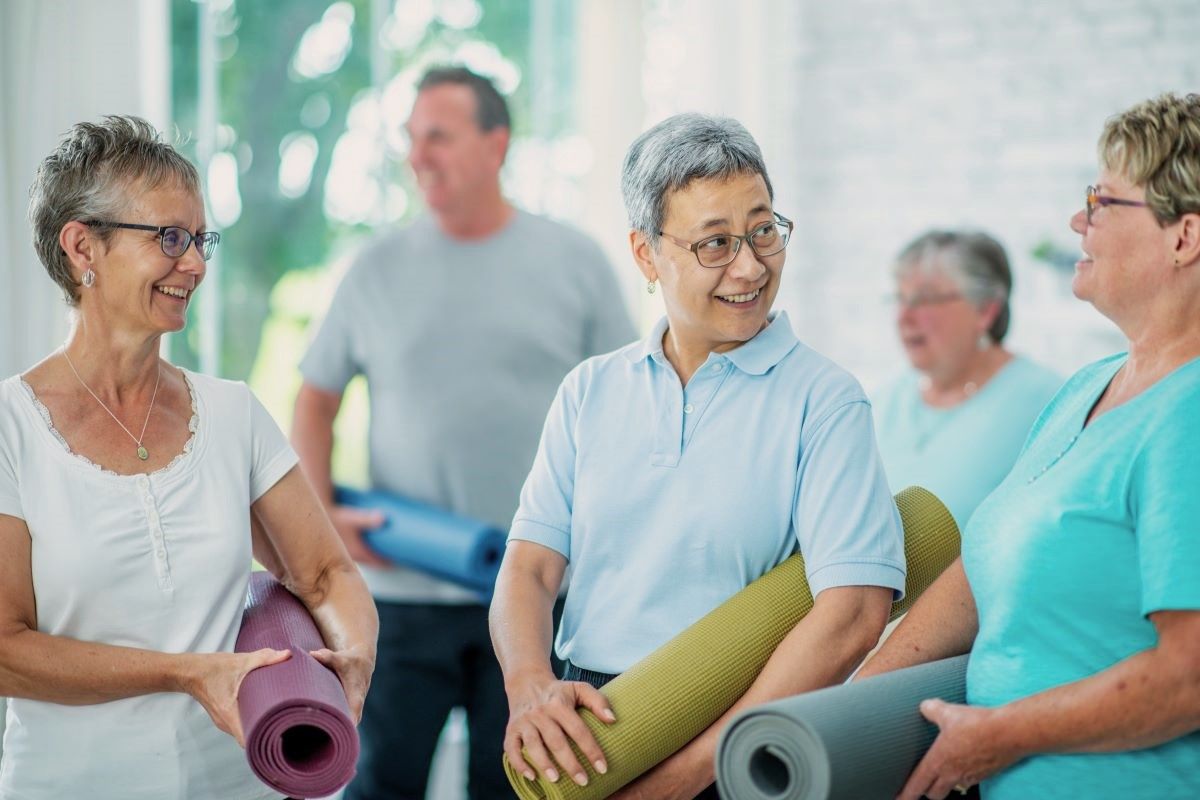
<point x="667" y="500"/>
<point x="1094" y="529"/>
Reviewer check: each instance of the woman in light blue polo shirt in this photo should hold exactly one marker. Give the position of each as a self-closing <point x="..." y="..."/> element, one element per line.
<point x="675" y="471"/>
<point x="1078" y="593"/>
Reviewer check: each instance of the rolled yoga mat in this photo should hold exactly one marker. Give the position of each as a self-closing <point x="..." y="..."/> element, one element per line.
<point x="859" y="741"/>
<point x="300" y="738"/>
<point x="671" y="696"/>
<point x="464" y="551"/>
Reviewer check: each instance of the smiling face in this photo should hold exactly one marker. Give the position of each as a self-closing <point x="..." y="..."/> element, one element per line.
<point x="1124" y="250"/>
<point x="138" y="286"/>
<point x="452" y="158"/>
<point x="938" y="326"/>
<point x="715" y="309"/>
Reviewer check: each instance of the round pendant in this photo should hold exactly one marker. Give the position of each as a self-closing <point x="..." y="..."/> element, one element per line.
<point x="143" y="453"/>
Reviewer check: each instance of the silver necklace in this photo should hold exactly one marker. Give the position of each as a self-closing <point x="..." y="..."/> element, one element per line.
<point x="142" y="452"/>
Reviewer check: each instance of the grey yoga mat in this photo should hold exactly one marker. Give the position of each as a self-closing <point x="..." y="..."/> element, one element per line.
<point x="858" y="741"/>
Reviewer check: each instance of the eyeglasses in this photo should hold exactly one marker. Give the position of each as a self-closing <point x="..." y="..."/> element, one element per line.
<point x="720" y="250"/>
<point x="1094" y="199"/>
<point x="922" y="299"/>
<point x="173" y="240"/>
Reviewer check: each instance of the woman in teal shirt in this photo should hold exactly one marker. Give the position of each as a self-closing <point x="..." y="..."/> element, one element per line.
<point x="1078" y="593"/>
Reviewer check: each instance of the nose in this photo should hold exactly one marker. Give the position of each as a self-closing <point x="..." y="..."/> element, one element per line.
<point x="192" y="263"/>
<point x="745" y="265"/>
<point x="1079" y="222"/>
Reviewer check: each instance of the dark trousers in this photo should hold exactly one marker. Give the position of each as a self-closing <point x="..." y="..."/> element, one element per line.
<point x="597" y="679"/>
<point x="430" y="659"/>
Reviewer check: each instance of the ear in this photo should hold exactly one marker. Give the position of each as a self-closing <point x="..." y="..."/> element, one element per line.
<point x="1187" y="240"/>
<point x="988" y="313"/>
<point x="81" y="247"/>
<point x="498" y="139"/>
<point x="643" y="254"/>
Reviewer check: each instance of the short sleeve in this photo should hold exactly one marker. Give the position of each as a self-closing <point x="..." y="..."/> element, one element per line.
<point x="845" y="517"/>
<point x="609" y="325"/>
<point x="547" y="498"/>
<point x="330" y="363"/>
<point x="1166" y="515"/>
<point x="10" y="488"/>
<point x="271" y="457"/>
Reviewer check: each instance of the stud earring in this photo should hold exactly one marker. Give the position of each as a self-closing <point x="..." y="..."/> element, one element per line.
<point x="650" y="287"/>
<point x="89" y="277"/>
<point x="984" y="342"/>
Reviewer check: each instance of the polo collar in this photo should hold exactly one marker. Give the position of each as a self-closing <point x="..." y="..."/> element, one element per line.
<point x="755" y="357"/>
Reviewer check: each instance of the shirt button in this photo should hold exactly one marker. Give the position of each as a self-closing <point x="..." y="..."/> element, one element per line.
<point x="717" y="368"/>
<point x="688" y="409"/>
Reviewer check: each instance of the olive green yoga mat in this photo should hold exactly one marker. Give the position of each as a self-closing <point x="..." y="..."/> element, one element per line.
<point x="859" y="741"/>
<point x="671" y="696"/>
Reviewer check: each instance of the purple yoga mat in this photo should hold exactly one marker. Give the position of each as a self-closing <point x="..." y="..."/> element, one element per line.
<point x="300" y="738"/>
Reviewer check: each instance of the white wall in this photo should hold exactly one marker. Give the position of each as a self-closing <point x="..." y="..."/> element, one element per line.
<point x="881" y="118"/>
<point x="62" y="62"/>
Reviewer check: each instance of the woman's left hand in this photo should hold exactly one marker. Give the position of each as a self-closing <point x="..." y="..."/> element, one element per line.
<point x="353" y="667"/>
<point x="966" y="751"/>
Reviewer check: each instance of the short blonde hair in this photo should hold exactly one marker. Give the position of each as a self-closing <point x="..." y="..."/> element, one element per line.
<point x="1156" y="145"/>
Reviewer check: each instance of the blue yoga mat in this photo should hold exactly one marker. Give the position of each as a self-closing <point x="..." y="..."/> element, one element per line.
<point x="461" y="550"/>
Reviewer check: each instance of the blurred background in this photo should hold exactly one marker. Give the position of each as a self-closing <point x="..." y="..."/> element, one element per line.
<point x="878" y="119"/>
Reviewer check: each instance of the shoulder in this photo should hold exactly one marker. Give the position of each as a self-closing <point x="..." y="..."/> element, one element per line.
<point x="818" y="378"/>
<point x="13" y="393"/>
<point x="220" y="395"/>
<point x="612" y="371"/>
<point x="1033" y="376"/>
<point x="558" y="237"/>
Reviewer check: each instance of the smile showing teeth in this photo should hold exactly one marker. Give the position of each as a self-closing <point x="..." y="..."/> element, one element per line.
<point x="173" y="291"/>
<point x="739" y="298"/>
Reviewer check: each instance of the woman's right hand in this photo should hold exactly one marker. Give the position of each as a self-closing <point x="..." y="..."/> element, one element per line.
<point x="351" y="523"/>
<point x="214" y="679"/>
<point x="543" y="720"/>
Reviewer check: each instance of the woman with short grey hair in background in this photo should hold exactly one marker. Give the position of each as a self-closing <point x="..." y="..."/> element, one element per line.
<point x="677" y="470"/>
<point x="955" y="420"/>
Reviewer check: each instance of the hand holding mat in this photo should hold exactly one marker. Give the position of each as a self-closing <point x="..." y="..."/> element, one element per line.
<point x="859" y="741"/>
<point x="671" y="696"/>
<point x="300" y="737"/>
<point x="445" y="545"/>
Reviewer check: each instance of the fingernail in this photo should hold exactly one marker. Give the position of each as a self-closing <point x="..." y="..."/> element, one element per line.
<point x="552" y="774"/>
<point x="609" y="715"/>
<point x="529" y="776"/>
<point x="581" y="778"/>
<point x="601" y="767"/>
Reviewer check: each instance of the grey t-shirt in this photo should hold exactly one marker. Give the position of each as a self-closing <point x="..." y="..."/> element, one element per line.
<point x="463" y="345"/>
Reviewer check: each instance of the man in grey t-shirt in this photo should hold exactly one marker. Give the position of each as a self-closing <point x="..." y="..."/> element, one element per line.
<point x="463" y="323"/>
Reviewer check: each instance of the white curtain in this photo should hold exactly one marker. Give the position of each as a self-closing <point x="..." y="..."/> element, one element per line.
<point x="62" y="62"/>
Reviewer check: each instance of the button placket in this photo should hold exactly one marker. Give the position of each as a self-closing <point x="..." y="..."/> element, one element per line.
<point x="162" y="566"/>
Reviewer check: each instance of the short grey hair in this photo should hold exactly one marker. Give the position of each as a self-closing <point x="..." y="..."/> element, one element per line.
<point x="677" y="151"/>
<point x="491" y="110"/>
<point x="973" y="259"/>
<point x="89" y="176"/>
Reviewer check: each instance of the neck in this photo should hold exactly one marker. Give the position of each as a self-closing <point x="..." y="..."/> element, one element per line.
<point x="687" y="355"/>
<point x="113" y="365"/>
<point x="953" y="384"/>
<point x="1165" y="338"/>
<point x="480" y="218"/>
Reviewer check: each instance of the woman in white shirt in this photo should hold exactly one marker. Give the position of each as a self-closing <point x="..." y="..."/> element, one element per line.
<point x="132" y="496"/>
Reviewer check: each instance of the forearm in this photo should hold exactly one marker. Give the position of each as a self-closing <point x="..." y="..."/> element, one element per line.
<point x="56" y="669"/>
<point x="822" y="650"/>
<point x="1143" y="701"/>
<point x="344" y="610"/>
<point x="942" y="623"/>
<point x="522" y="627"/>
